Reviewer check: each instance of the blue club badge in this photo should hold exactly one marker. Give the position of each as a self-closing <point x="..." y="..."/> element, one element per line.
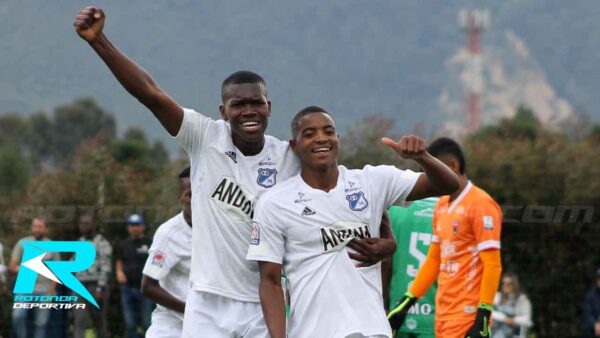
<point x="357" y="201"/>
<point x="267" y="177"/>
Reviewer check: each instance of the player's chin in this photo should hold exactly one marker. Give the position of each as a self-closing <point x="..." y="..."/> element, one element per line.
<point x="252" y="136"/>
<point x="321" y="162"/>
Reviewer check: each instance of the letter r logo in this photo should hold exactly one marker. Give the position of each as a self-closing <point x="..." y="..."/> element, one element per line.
<point x="59" y="271"/>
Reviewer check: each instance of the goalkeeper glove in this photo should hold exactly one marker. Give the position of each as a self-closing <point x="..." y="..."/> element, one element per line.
<point x="481" y="325"/>
<point x="397" y="315"/>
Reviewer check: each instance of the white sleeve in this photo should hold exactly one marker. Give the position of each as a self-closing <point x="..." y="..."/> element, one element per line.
<point x="192" y="131"/>
<point x="160" y="257"/>
<point x="395" y="184"/>
<point x="267" y="240"/>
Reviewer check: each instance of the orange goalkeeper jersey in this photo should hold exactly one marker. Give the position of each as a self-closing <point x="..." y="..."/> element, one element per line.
<point x="464" y="227"/>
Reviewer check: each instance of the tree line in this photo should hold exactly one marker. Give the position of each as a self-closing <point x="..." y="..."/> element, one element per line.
<point x="71" y="161"/>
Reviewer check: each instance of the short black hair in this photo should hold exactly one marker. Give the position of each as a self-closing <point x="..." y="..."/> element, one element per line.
<point x="305" y="111"/>
<point x="239" y="77"/>
<point x="447" y="146"/>
<point x="185" y="173"/>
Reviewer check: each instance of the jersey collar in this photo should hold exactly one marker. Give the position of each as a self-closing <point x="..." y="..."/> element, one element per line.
<point x="460" y="196"/>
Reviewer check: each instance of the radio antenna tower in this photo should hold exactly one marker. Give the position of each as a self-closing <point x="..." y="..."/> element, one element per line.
<point x="473" y="22"/>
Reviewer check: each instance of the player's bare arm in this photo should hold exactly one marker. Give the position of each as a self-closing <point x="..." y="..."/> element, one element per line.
<point x="121" y="279"/>
<point x="271" y="298"/>
<point x="152" y="289"/>
<point x="89" y="24"/>
<point x="370" y="251"/>
<point x="14" y="265"/>
<point x="438" y="178"/>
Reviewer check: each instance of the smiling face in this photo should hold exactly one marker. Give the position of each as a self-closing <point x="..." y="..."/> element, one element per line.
<point x="247" y="109"/>
<point x="316" y="143"/>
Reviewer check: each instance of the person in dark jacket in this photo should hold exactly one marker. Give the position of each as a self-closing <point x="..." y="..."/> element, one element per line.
<point x="591" y="310"/>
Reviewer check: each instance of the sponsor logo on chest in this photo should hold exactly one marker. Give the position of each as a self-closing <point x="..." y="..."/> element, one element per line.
<point x="301" y="198"/>
<point x="235" y="199"/>
<point x="267" y="162"/>
<point x="337" y="235"/>
<point x="427" y="212"/>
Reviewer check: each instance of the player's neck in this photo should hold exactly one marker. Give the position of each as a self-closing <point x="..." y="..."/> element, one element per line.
<point x="188" y="219"/>
<point x="248" y="148"/>
<point x="322" y="179"/>
<point x="463" y="183"/>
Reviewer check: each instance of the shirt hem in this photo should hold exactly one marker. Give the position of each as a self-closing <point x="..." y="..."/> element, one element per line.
<point x="224" y="293"/>
<point x="269" y="259"/>
<point x="377" y="332"/>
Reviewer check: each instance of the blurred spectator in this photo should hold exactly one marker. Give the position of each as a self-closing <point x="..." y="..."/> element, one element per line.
<point x="591" y="310"/>
<point x="95" y="280"/>
<point x="24" y="321"/>
<point x="512" y="310"/>
<point x="58" y="325"/>
<point x="131" y="257"/>
<point x="2" y="269"/>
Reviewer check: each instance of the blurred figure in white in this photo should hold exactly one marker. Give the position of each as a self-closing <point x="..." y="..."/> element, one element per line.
<point x="512" y="310"/>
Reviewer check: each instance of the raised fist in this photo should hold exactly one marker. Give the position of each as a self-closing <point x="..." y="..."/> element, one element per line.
<point x="89" y="23"/>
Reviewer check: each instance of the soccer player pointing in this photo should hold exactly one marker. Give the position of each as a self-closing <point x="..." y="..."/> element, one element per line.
<point x="464" y="256"/>
<point x="304" y="224"/>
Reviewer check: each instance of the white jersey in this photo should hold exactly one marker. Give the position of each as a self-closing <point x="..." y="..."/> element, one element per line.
<point x="307" y="230"/>
<point x="169" y="261"/>
<point x="225" y="187"/>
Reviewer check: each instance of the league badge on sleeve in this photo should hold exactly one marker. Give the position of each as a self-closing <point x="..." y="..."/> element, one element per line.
<point x="357" y="201"/>
<point x="488" y="223"/>
<point x="254" y="234"/>
<point x="266" y="177"/>
<point x="158" y="258"/>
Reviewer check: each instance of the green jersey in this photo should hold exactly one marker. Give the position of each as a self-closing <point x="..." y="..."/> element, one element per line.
<point x="413" y="230"/>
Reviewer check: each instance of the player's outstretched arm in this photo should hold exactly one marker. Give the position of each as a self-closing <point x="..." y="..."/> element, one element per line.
<point x="271" y="298"/>
<point x="492" y="269"/>
<point x="89" y="24"/>
<point x="438" y="178"/>
<point x="152" y="289"/>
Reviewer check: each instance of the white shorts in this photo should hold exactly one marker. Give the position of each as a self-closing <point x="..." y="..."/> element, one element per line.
<point x="164" y="327"/>
<point x="209" y="315"/>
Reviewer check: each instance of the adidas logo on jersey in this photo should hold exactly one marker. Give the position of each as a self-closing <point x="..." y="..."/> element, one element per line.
<point x="232" y="155"/>
<point x="308" y="212"/>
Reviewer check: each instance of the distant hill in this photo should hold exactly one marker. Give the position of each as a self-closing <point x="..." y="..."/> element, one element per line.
<point x="352" y="57"/>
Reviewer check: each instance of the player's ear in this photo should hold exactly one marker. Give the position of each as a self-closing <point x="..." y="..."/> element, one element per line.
<point x="292" y="142"/>
<point x="269" y="104"/>
<point x="222" y="111"/>
<point x="454" y="165"/>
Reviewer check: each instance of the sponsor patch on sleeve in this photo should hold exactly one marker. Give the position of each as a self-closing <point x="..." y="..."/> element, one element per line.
<point x="254" y="234"/>
<point x="158" y="258"/>
<point x="488" y="223"/>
